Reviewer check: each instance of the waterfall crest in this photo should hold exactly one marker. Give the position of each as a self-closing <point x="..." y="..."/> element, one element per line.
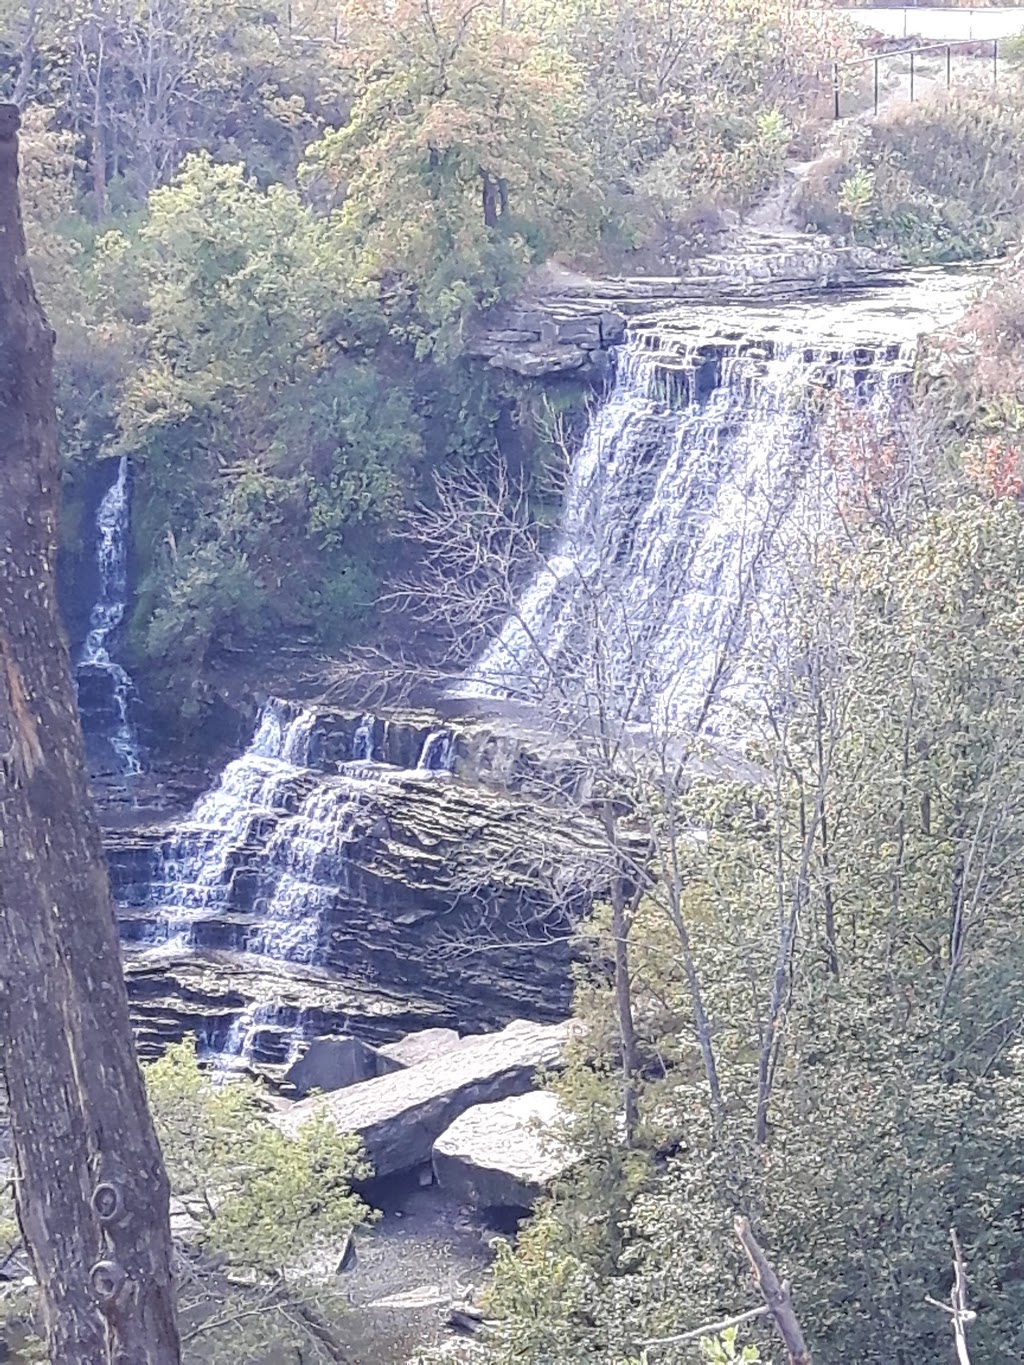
<point x="685" y="483"/>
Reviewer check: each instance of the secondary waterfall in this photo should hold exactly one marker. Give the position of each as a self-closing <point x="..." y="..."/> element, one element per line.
<point x="105" y="687"/>
<point x="271" y="805"/>
<point x="684" y="484"/>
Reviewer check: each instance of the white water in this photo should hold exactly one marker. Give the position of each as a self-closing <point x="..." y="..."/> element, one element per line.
<point x="684" y="486"/>
<point x="112" y="531"/>
<point x="195" y="875"/>
<point x="437" y="755"/>
<point x="284" y="830"/>
<point x="239" y="1047"/>
<point x="362" y="742"/>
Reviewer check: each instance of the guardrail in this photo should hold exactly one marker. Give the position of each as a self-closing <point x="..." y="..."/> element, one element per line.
<point x="939" y="24"/>
<point x="913" y="53"/>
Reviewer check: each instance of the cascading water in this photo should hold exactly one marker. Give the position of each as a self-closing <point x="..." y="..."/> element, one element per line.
<point x="684" y="483"/>
<point x="362" y="741"/>
<point x="195" y="870"/>
<point x="308" y="825"/>
<point x="267" y="848"/>
<point x="245" y="1035"/>
<point x="436" y="755"/>
<point x="694" y="473"/>
<point x="105" y="687"/>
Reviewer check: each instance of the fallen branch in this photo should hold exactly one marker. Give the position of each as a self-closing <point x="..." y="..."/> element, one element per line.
<point x="710" y="1329"/>
<point x="776" y="1296"/>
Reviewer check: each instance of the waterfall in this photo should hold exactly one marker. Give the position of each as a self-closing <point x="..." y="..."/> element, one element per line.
<point x="686" y="479"/>
<point x="362" y="740"/>
<point x="111" y="698"/>
<point x="436" y="755"/>
<point x="264" y="784"/>
<point x="241" y="1044"/>
<point x="264" y="855"/>
<point x="269" y="843"/>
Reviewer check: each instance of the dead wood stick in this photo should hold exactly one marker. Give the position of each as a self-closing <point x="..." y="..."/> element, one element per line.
<point x="710" y="1329"/>
<point x="960" y="1314"/>
<point x="775" y="1294"/>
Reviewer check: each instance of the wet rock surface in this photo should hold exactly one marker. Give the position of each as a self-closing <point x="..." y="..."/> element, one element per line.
<point x="182" y="992"/>
<point x="400" y="1117"/>
<point x="565" y="323"/>
<point x="422" y="900"/>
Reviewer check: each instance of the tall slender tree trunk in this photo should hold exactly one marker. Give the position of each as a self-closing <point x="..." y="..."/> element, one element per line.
<point x="623" y="983"/>
<point x="91" y="1189"/>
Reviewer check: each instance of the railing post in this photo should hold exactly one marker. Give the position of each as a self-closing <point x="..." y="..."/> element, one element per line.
<point x="949" y="66"/>
<point x="876" y="85"/>
<point x="995" y="61"/>
<point x="835" y="90"/>
<point x="911" y="75"/>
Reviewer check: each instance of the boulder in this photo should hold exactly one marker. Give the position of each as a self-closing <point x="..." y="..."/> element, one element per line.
<point x="503" y="1154"/>
<point x="422" y="1046"/>
<point x="399" y="1117"/>
<point x="534" y="362"/>
<point x="334" y="1062"/>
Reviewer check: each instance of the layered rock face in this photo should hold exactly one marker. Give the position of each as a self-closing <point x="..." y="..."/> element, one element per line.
<point x="311" y="892"/>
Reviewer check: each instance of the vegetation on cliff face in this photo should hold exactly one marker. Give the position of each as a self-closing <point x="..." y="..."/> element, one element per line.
<point x="260" y="235"/>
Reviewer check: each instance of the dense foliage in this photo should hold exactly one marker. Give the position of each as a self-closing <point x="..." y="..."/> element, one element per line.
<point x="260" y="1221"/>
<point x="261" y="234"/>
<point x="935" y="181"/>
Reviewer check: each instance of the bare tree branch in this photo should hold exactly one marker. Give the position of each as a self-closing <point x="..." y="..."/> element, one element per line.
<point x="776" y="1296"/>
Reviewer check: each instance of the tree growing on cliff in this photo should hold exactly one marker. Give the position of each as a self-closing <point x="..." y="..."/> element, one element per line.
<point x="462" y="162"/>
<point x="91" y="1187"/>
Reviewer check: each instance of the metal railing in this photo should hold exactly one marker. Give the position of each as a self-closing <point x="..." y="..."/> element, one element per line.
<point x="913" y="53"/>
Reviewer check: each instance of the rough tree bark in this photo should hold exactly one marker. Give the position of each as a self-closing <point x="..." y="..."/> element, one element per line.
<point x="91" y="1188"/>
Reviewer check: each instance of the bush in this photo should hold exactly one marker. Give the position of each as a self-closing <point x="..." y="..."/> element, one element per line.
<point x="938" y="181"/>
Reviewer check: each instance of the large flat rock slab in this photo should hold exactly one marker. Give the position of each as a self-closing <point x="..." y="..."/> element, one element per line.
<point x="423" y="1046"/>
<point x="399" y="1117"/>
<point x="504" y="1154"/>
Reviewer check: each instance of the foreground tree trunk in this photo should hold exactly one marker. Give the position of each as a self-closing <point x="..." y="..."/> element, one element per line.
<point x="91" y="1188"/>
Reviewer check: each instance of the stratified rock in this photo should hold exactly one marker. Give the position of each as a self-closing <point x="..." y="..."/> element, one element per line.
<point x="534" y="362"/>
<point x="204" y="993"/>
<point x="503" y="1154"/>
<point x="422" y="1046"/>
<point x="400" y="1117"/>
<point x="459" y="901"/>
<point x="332" y="1063"/>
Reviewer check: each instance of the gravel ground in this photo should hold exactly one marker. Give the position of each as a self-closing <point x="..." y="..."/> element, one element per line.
<point x="424" y="1254"/>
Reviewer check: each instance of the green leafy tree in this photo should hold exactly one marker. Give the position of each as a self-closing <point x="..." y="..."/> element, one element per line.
<point x="463" y="159"/>
<point x="853" y="919"/>
<point x="263" y="1217"/>
<point x="267" y="454"/>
